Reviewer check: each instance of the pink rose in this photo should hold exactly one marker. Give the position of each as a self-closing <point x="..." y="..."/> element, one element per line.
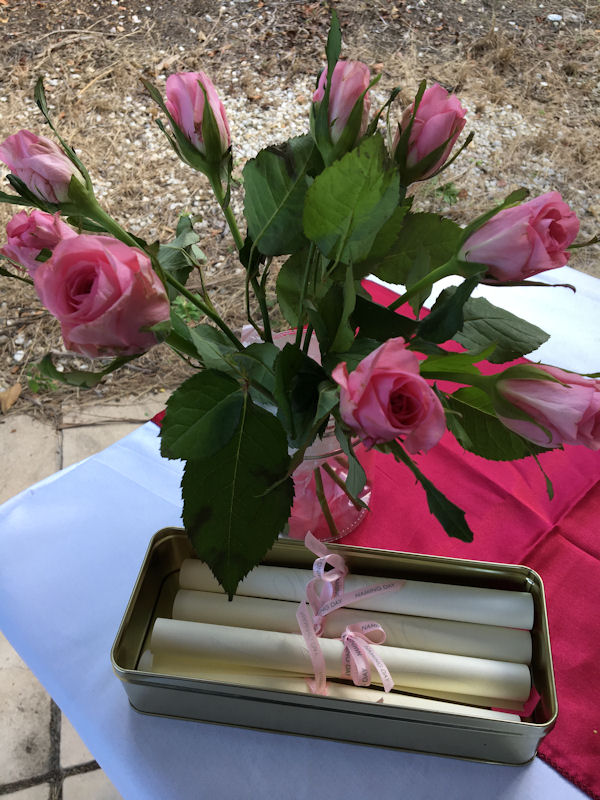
<point x="568" y="411"/>
<point x="40" y="164"/>
<point x="350" y="79"/>
<point x="439" y="120"/>
<point x="104" y="295"/>
<point x="522" y="241"/>
<point x="29" y="234"/>
<point x="185" y="103"/>
<point x="386" y="397"/>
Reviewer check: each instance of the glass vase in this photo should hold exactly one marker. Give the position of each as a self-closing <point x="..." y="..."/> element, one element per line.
<point x="321" y="505"/>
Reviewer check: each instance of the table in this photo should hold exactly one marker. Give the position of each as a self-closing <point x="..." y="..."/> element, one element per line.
<point x="70" y="549"/>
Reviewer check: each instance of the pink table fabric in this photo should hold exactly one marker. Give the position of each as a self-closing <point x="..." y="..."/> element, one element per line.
<point x="514" y="521"/>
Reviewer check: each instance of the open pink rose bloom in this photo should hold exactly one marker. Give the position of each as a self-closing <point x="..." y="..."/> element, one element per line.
<point x="40" y="164"/>
<point x="105" y="295"/>
<point x="385" y="397"/>
<point x="522" y="241"/>
<point x="568" y="412"/>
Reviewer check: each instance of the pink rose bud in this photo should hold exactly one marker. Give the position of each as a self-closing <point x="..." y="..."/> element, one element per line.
<point x="386" y="398"/>
<point x="350" y="79"/>
<point x="185" y="103"/>
<point x="569" y="411"/>
<point x="29" y="234"/>
<point x="522" y="241"/>
<point x="104" y="294"/>
<point x="439" y="119"/>
<point x="40" y="164"/>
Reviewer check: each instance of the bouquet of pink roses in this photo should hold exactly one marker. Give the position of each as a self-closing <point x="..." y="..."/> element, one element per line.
<point x="335" y="203"/>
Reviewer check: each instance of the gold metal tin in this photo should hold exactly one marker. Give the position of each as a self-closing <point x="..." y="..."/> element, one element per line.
<point x="497" y="741"/>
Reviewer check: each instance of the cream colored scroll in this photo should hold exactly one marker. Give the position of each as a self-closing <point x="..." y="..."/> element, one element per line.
<point x="287" y="652"/>
<point x="416" y="633"/>
<point x="190" y="668"/>
<point x="419" y="598"/>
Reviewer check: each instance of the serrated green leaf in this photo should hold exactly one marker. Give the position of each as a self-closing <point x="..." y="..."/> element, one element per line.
<point x="275" y="186"/>
<point x="486" y="436"/>
<point x="289" y="285"/>
<point x="378" y="322"/>
<point x="357" y="477"/>
<point x="230" y="516"/>
<point x="177" y="257"/>
<point x="446" y="317"/>
<point x="436" y="237"/>
<point x="383" y="245"/>
<point x="486" y="324"/>
<point x="257" y="364"/>
<point x="439" y="364"/>
<point x="449" y="515"/>
<point x="82" y="378"/>
<point x="350" y="201"/>
<point x="212" y="346"/>
<point x="202" y="415"/>
<point x="297" y="385"/>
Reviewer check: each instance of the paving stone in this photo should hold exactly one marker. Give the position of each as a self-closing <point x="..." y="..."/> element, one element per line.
<point x="72" y="749"/>
<point x="91" y="786"/>
<point x="30" y="452"/>
<point x="39" y="792"/>
<point x="99" y="426"/>
<point x="24" y="721"/>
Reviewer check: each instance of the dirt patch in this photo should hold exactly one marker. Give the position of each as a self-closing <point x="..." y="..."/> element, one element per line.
<point x="527" y="72"/>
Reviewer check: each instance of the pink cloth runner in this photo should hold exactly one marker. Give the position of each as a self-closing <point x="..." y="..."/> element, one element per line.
<point x="514" y="522"/>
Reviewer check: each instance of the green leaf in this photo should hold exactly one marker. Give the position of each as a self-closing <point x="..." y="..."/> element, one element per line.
<point x="82" y="378"/>
<point x="350" y="201"/>
<point x="437" y="365"/>
<point x="361" y="348"/>
<point x="14" y="199"/>
<point x="481" y="432"/>
<point x="257" y="364"/>
<point x="486" y="324"/>
<point x="230" y="516"/>
<point x="383" y="246"/>
<point x="177" y="257"/>
<point x="202" y="416"/>
<point x="378" y="322"/>
<point x="446" y="317"/>
<point x="212" y="346"/>
<point x="297" y="392"/>
<point x="421" y="234"/>
<point x="289" y="285"/>
<point x="449" y="515"/>
<point x="357" y="477"/>
<point x="275" y="186"/>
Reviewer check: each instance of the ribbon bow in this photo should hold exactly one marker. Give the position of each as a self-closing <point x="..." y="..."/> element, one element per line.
<point x="359" y="654"/>
<point x="328" y="584"/>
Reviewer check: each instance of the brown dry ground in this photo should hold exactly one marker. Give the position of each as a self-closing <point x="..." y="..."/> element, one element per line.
<point x="92" y="54"/>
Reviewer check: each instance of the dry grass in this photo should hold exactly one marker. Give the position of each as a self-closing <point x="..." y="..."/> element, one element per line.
<point x="503" y="57"/>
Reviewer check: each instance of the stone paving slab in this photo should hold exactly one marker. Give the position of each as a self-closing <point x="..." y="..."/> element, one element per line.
<point x="72" y="749"/>
<point x="39" y="792"/>
<point x="87" y="430"/>
<point x="30" y="451"/>
<point x="24" y="721"/>
<point x="89" y="786"/>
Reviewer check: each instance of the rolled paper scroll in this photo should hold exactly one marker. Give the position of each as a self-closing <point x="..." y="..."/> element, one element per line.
<point x="418" y="598"/>
<point x="287" y="652"/>
<point x="416" y="633"/>
<point x="190" y="668"/>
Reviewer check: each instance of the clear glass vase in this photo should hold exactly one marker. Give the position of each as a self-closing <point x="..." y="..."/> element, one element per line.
<point x="318" y="481"/>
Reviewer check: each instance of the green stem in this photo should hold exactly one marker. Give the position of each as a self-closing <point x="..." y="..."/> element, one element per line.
<point x="227" y="211"/>
<point x="307" y="338"/>
<point x="342" y="484"/>
<point x="443" y="271"/>
<point x="262" y="302"/>
<point x="305" y="279"/>
<point x="323" y="503"/>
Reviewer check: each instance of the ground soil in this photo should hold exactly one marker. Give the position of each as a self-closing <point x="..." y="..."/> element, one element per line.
<point x="528" y="72"/>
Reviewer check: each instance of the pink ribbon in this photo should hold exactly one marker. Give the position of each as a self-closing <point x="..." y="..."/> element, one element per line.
<point x="325" y="593"/>
<point x="359" y="654"/>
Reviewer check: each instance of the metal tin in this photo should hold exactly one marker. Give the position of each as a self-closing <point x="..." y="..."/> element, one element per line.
<point x="497" y="741"/>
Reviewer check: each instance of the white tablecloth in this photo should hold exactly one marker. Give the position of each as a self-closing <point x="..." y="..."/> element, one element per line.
<point x="70" y="549"/>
